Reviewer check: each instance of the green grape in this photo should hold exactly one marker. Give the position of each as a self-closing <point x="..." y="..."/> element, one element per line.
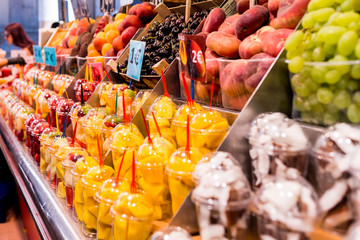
<point x="339" y="1"/>
<point x="355" y="71"/>
<point x="307" y="56"/>
<point x="332" y="108"/>
<point x="356" y="5"/>
<point x="332" y="76"/>
<point x="310" y="40"/>
<point x="294" y="53"/>
<point x="318" y="109"/>
<point x="307" y="117"/>
<point x="324" y="95"/>
<point x="296" y="64"/>
<point x="353" y="85"/>
<point x="322" y="15"/>
<point x="305" y="72"/>
<point x="330" y="118"/>
<point x="332" y="18"/>
<point x="353" y="113"/>
<point x="344" y="19"/>
<point x="308" y="21"/>
<point x="346" y="6"/>
<point x="330" y="34"/>
<point x="294" y="41"/>
<point x="341" y="85"/>
<point x="343" y="67"/>
<point x="357" y="49"/>
<point x="318" y="55"/>
<point x="296" y="80"/>
<point x="342" y="99"/>
<point x="312" y="85"/>
<point x="354" y="26"/>
<point x="323" y="3"/>
<point x="302" y="90"/>
<point x="312" y="101"/>
<point x="300" y="103"/>
<point x="329" y="49"/>
<point x="356" y="98"/>
<point x="312" y="6"/>
<point x="318" y="74"/>
<point x="346" y="43"/>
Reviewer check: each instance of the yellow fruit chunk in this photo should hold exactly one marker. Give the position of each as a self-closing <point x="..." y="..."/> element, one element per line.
<point x="60" y="191"/>
<point x="89" y="219"/>
<point x="79" y="210"/>
<point x="104" y="231"/>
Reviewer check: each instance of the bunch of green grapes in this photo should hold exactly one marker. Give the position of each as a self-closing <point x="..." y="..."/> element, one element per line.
<point x="324" y="57"/>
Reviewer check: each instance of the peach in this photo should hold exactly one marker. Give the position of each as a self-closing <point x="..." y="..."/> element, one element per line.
<point x="238" y="103"/>
<point x="133" y="9"/>
<point x="130" y="20"/>
<point x="110" y="53"/>
<point x="273" y="41"/>
<point x="232" y="78"/>
<point x="111" y="35"/>
<point x="93" y="53"/>
<point x="259" y="68"/>
<point x="107" y="27"/>
<point x="250" y="46"/>
<point x="128" y="34"/>
<point x="101" y="35"/>
<point x="71" y="41"/>
<point x="106" y="47"/>
<point x="224" y="44"/>
<point x="80" y="30"/>
<point x="118" y="44"/>
<point x="228" y="26"/>
<point x="72" y="31"/>
<point x="120" y="52"/>
<point x="213" y="21"/>
<point x="99" y="43"/>
<point x="242" y="6"/>
<point x="83" y="23"/>
<point x="212" y="65"/>
<point x="146" y="12"/>
<point x="203" y="92"/>
<point x="251" y="20"/>
<point x="290" y="13"/>
<point x="273" y="6"/>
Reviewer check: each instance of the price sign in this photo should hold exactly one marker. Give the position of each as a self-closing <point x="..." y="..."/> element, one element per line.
<point x="80" y="8"/>
<point x="192" y="58"/>
<point x="125" y="2"/>
<point x="37" y="53"/>
<point x="107" y="5"/>
<point x="137" y="49"/>
<point x="50" y="56"/>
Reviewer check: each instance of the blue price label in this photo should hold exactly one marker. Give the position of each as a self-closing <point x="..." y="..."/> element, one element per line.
<point x="137" y="49"/>
<point x="37" y="53"/>
<point x="50" y="56"/>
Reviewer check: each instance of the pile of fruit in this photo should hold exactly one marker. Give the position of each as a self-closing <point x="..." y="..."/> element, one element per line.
<point x="321" y="56"/>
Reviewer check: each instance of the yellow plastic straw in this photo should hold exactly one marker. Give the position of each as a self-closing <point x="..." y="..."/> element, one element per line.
<point x="57" y="124"/>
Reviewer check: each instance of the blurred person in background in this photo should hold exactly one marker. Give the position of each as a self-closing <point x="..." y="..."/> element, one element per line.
<point x="16" y="35"/>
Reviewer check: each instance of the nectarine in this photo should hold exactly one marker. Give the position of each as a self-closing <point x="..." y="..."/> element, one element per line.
<point x="133" y="9"/>
<point x="93" y="53"/>
<point x="118" y="44"/>
<point x="213" y="21"/>
<point x="127" y="34"/>
<point x="111" y="35"/>
<point x="146" y="12"/>
<point x="98" y="43"/>
<point x="106" y="47"/>
<point x="130" y="20"/>
<point x="120" y="16"/>
<point x="224" y="44"/>
<point x="71" y="41"/>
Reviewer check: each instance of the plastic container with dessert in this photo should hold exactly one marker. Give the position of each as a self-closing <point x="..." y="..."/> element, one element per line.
<point x="106" y="197"/>
<point x="71" y="65"/>
<point x="164" y="110"/>
<point x="239" y="78"/>
<point x="62" y="110"/>
<point x="276" y="143"/>
<point x="222" y="197"/>
<point x="133" y="215"/>
<point x="337" y="176"/>
<point x="286" y="207"/>
<point x="91" y="183"/>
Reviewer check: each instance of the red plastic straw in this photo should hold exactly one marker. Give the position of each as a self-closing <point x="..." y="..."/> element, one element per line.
<point x="157" y="125"/>
<point x="74" y="133"/>
<point x="124" y="108"/>
<point x="101" y="162"/>
<point x="118" y="174"/>
<point x="108" y="75"/>
<point x="187" y="149"/>
<point x="146" y="126"/>
<point x="188" y="96"/>
<point x="48" y="118"/>
<point x="212" y="92"/>
<point x="133" y="184"/>
<point x="166" y="94"/>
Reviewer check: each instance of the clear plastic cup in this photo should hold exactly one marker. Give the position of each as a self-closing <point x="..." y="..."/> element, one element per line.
<point x="42" y="139"/>
<point x="111" y="96"/>
<point x="91" y="183"/>
<point x="107" y="128"/>
<point x="51" y="171"/>
<point x="63" y="110"/>
<point x="207" y="130"/>
<point x="19" y="124"/>
<point x="164" y="110"/>
<point x="92" y="126"/>
<point x="140" y="98"/>
<point x="132" y="217"/>
<point x="82" y="165"/>
<point x="53" y="103"/>
<point x="106" y="197"/>
<point x="36" y="133"/>
<point x="354" y="232"/>
<point x="286" y="207"/>
<point x="103" y="92"/>
<point x="77" y="113"/>
<point x="45" y="146"/>
<point x="276" y="143"/>
<point x="88" y="90"/>
<point x="179" y="169"/>
<point x="171" y="233"/>
<point x="179" y="122"/>
<point x="29" y="120"/>
<point x="68" y="165"/>
<point x="43" y="101"/>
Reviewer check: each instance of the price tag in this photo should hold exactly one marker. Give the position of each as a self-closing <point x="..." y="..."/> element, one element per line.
<point x="137" y="49"/>
<point x="107" y="5"/>
<point x="192" y="56"/>
<point x="80" y="8"/>
<point x="125" y="2"/>
<point x="37" y="53"/>
<point x="50" y="56"/>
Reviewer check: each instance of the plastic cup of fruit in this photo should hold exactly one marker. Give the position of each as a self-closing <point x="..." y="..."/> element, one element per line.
<point x="120" y="88"/>
<point x="88" y="90"/>
<point x="133" y="215"/>
<point x="77" y="112"/>
<point x="180" y="121"/>
<point x="55" y="145"/>
<point x="164" y="110"/>
<point x="63" y="110"/>
<point x="82" y="165"/>
<point x="91" y="183"/>
<point x="43" y="102"/>
<point x="129" y="96"/>
<point x="107" y="128"/>
<point x="221" y="199"/>
<point x="179" y="169"/>
<point x="45" y="147"/>
<point x="103" y="92"/>
<point x="20" y="118"/>
<point x="43" y="137"/>
<point x="126" y="139"/>
<point x="140" y="98"/>
<point x="67" y="165"/>
<point x="92" y="126"/>
<point x="14" y="109"/>
<point x="53" y="102"/>
<point x="171" y="233"/>
<point x="207" y="130"/>
<point x="77" y="87"/>
<point x="63" y="150"/>
<point x="106" y="197"/>
<point x="36" y="132"/>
